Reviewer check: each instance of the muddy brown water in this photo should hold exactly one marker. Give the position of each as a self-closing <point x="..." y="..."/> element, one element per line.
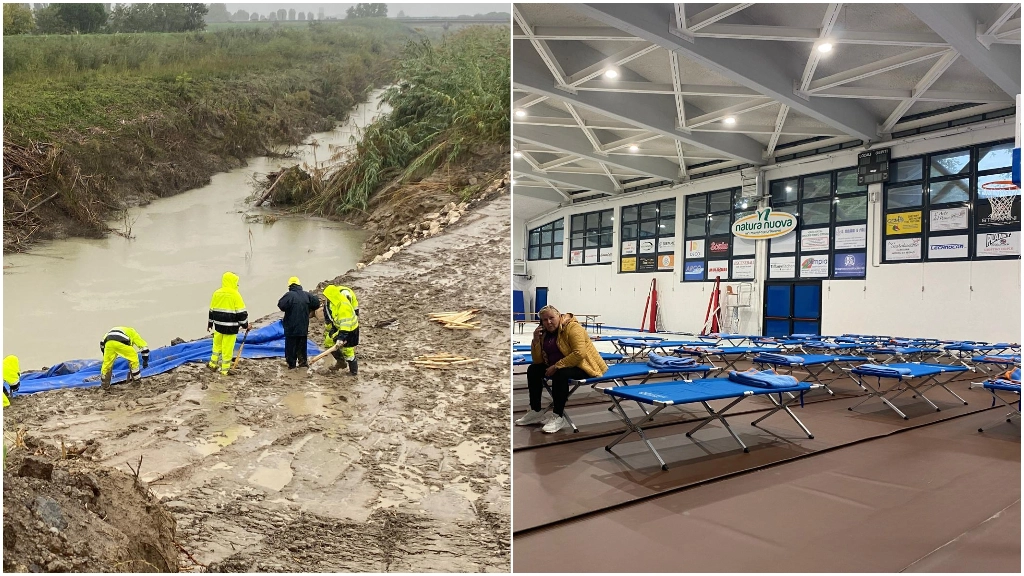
<point x="61" y="297"/>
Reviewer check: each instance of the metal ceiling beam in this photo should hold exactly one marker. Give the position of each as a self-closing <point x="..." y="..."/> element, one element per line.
<point x="770" y="70"/>
<point x="930" y="96"/>
<point x="573" y="142"/>
<point x="920" y="88"/>
<point x="650" y="111"/>
<point x="527" y="101"/>
<point x="957" y="24"/>
<point x="987" y="31"/>
<point x="569" y="122"/>
<point x="541" y="47"/>
<point x="537" y="192"/>
<point x="579" y="33"/>
<point x="575" y="181"/>
<point x="873" y="69"/>
<point x="619" y="58"/>
<point x="734" y="110"/>
<point x="712" y="15"/>
<point x="684" y="89"/>
<point x="791" y="34"/>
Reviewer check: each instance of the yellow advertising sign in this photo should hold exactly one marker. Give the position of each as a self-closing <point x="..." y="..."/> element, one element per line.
<point x="903" y="223"/>
<point x="628" y="264"/>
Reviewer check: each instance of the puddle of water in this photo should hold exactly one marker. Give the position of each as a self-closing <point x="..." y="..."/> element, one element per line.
<point x="469" y="452"/>
<point x="223" y="438"/>
<point x="182" y="246"/>
<point x="273" y="477"/>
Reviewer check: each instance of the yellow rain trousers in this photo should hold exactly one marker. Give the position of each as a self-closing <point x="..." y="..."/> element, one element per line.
<point x="112" y="349"/>
<point x="227" y="316"/>
<point x="12" y="371"/>
<point x="340" y="313"/>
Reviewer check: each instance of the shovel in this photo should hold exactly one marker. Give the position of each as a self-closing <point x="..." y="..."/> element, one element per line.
<point x="240" y="348"/>
<point x="319" y="356"/>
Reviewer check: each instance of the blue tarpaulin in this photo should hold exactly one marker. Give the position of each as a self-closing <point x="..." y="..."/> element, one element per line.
<point x="265" y="342"/>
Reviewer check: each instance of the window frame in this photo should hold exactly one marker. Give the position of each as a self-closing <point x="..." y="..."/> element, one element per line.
<point x="551" y="227"/>
<point x="701" y="204"/>
<point x="662" y="230"/>
<point x="592" y="232"/>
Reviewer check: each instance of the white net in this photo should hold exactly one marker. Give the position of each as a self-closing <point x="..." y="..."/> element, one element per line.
<point x="1002" y="208"/>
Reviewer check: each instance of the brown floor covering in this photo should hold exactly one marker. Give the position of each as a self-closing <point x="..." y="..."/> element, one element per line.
<point x="941" y="497"/>
<point x="571" y="478"/>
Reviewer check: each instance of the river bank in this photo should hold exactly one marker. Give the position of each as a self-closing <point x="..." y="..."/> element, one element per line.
<point x="398" y="469"/>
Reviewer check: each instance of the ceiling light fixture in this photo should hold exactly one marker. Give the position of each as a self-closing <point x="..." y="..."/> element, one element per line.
<point x="729" y="120"/>
<point x="517" y="154"/>
<point x="611" y="74"/>
<point x="633" y="147"/>
<point x="513" y="181"/>
<point x="824" y="47"/>
<point x="520" y="113"/>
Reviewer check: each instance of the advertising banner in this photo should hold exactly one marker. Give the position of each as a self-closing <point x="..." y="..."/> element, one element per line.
<point x="907" y="249"/>
<point x="628" y="264"/>
<point x="576" y="257"/>
<point x="764" y="223"/>
<point x="998" y="244"/>
<point x="667" y="244"/>
<point x="718" y="268"/>
<point x="666" y="261"/>
<point x="693" y="270"/>
<point x="784" y="244"/>
<point x="782" y="267"/>
<point x="940" y="247"/>
<point x="719" y="247"/>
<point x="903" y="223"/>
<point x="590" y="256"/>
<point x="629" y="248"/>
<point x="743" y="246"/>
<point x="607" y="254"/>
<point x="694" y="249"/>
<point x="850" y="265"/>
<point x="948" y="219"/>
<point x="647" y="246"/>
<point x="647" y="264"/>
<point x="814" y="240"/>
<point x="855" y="236"/>
<point x="743" y="269"/>
<point x="814" y="266"/>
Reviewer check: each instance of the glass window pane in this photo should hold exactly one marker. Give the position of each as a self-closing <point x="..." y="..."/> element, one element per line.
<point x="559" y="224"/>
<point x="721" y="201"/>
<point x="545" y="237"/>
<point x="846" y="182"/>
<point x="812" y="213"/>
<point x="606" y="219"/>
<point x="998" y="156"/>
<point x="783" y="191"/>
<point x="606" y="240"/>
<point x="647" y="229"/>
<point x="559" y="235"/>
<point x="904" y="197"/>
<point x="592" y="240"/>
<point x="742" y="214"/>
<point x="741" y="203"/>
<point x="668" y="208"/>
<point x="719" y="225"/>
<point x="952" y="191"/>
<point x="907" y="170"/>
<point x="696" y="205"/>
<point x="852" y="208"/>
<point x="629" y="231"/>
<point x="648" y="211"/>
<point x="817" y="186"/>
<point x="534" y="252"/>
<point x="951" y="163"/>
<point x="593" y="221"/>
<point x="695" y="227"/>
<point x="545" y="252"/>
<point x="557" y="251"/>
<point x="629" y="214"/>
<point x="577" y="222"/>
<point x="577" y="243"/>
<point x="534" y="237"/>
<point x="667" y="226"/>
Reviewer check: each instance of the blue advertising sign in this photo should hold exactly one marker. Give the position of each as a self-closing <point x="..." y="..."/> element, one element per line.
<point x="693" y="271"/>
<point x="850" y="265"/>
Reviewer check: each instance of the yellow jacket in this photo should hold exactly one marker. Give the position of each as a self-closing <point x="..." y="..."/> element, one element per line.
<point x="12" y="371"/>
<point x="575" y="343"/>
<point x="227" y="310"/>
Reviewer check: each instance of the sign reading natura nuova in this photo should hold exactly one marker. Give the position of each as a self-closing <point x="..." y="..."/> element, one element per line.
<point x="764" y="224"/>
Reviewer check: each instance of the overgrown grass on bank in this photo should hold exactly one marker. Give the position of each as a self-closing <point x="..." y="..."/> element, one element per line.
<point x="450" y="99"/>
<point x="137" y="114"/>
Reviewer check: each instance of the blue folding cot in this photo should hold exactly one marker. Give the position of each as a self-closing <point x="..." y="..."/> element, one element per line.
<point x="814" y="364"/>
<point x="1002" y="385"/>
<point x="636" y="348"/>
<point x="623" y="373"/>
<point x="902" y="354"/>
<point x="520" y="359"/>
<point x="730" y="355"/>
<point x="906" y="376"/>
<point x="663" y="395"/>
<point x="996" y="361"/>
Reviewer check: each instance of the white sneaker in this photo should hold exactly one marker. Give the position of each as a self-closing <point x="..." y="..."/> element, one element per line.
<point x="556" y="424"/>
<point x="532" y="417"/>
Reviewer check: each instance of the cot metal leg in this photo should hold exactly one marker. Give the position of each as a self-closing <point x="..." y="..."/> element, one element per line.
<point x="881" y="396"/>
<point x="784" y="405"/>
<point x="718" y="416"/>
<point x="636" y="427"/>
<point x="943" y="386"/>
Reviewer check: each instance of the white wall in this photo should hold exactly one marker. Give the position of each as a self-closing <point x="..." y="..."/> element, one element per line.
<point x="961" y="300"/>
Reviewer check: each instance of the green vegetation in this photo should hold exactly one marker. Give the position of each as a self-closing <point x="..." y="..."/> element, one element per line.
<point x="450" y="99"/>
<point x="18" y="19"/>
<point x="108" y="117"/>
<point x="362" y="10"/>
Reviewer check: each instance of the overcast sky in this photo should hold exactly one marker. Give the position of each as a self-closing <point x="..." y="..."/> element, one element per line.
<point x="424" y="9"/>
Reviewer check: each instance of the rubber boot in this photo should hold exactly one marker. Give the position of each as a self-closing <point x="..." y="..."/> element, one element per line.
<point x="105" y="380"/>
<point x="353" y="366"/>
<point x="339" y="361"/>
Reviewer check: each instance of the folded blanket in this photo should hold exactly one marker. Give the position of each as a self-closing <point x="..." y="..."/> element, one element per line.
<point x="779" y="358"/>
<point x="1001" y="358"/>
<point x="766" y="379"/>
<point x="520" y="357"/>
<point x="883" y="371"/>
<point x="658" y="361"/>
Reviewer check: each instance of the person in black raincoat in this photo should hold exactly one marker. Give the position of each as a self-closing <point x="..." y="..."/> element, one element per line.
<point x="297" y="304"/>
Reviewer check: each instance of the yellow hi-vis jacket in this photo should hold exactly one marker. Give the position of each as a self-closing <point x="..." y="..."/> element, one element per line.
<point x="342" y="311"/>
<point x="124" y="335"/>
<point x="227" y="310"/>
<point x="12" y="371"/>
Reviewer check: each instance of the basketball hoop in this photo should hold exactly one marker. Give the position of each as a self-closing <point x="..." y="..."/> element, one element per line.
<point x="1002" y="206"/>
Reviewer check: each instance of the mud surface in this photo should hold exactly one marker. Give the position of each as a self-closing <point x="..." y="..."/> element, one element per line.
<point x="397" y="469"/>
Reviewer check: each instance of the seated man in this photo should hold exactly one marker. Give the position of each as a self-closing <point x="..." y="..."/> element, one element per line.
<point x="122" y="341"/>
<point x="561" y="350"/>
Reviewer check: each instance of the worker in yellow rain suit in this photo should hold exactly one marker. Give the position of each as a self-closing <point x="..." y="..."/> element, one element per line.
<point x="12" y="378"/>
<point x="227" y="315"/>
<point x="341" y="324"/>
<point x="122" y="341"/>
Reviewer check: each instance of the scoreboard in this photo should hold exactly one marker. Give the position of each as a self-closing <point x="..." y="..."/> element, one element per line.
<point x="873" y="166"/>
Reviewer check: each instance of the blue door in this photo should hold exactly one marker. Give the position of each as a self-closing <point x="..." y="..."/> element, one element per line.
<point x="792" y="308"/>
<point x="542" y="298"/>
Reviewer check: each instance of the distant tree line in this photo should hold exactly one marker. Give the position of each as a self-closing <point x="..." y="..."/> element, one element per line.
<point x="103" y="18"/>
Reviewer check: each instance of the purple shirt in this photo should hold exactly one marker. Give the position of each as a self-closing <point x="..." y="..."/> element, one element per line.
<point x="551" y="350"/>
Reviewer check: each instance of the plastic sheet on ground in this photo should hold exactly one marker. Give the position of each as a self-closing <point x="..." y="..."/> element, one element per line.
<point x="265" y="342"/>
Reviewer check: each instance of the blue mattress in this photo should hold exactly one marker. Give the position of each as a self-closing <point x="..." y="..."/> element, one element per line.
<point x="520" y="347"/>
<point x="901" y="350"/>
<point x="998" y="358"/>
<point x="1003" y="385"/>
<point x="810" y="359"/>
<point x="699" y="390"/>
<point x="964" y="347"/>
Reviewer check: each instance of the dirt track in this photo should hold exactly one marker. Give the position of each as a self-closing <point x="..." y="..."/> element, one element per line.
<point x="398" y="469"/>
